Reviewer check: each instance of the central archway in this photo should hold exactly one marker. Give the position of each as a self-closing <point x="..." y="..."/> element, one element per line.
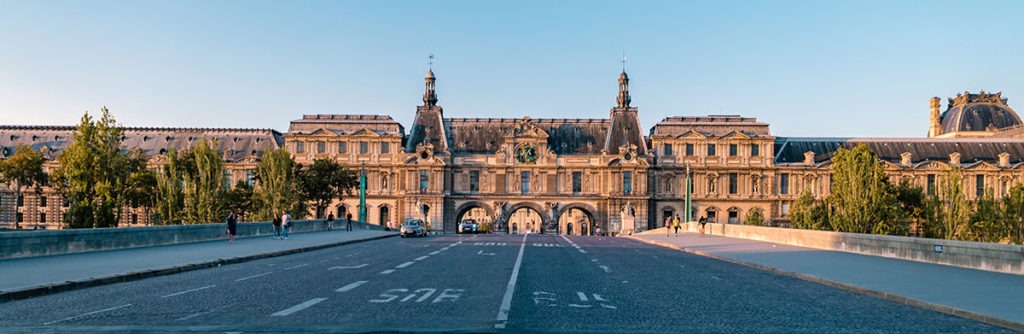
<point x="576" y="219"/>
<point x="526" y="217"/>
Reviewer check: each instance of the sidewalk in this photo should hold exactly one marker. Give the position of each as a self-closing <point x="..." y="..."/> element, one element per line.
<point x="27" y="277"/>
<point x="991" y="297"/>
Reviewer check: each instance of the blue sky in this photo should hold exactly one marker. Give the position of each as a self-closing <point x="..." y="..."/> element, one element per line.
<point x="808" y="68"/>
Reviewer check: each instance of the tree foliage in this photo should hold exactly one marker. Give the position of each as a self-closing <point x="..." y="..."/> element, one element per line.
<point x="324" y="181"/>
<point x="1013" y="214"/>
<point x="860" y="195"/>
<point x="93" y="171"/>
<point x="951" y="208"/>
<point x="986" y="222"/>
<point x="801" y="214"/>
<point x="23" y="169"/>
<point x="754" y="217"/>
<point x="170" y="198"/>
<point x="141" y="185"/>
<point x="910" y="207"/>
<point x="277" y="188"/>
<point x="203" y="183"/>
<point x="239" y="199"/>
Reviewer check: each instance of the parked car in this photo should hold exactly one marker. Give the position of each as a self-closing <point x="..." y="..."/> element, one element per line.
<point x="469" y="226"/>
<point x="414" y="228"/>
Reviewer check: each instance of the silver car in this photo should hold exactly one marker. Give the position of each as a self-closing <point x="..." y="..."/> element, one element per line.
<point x="413" y="228"/>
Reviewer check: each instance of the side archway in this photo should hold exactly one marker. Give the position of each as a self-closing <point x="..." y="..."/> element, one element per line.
<point x="576" y="219"/>
<point x="477" y="210"/>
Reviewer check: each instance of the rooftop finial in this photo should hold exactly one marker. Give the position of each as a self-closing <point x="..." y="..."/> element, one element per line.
<point x="430" y="61"/>
<point x="623" y="60"/>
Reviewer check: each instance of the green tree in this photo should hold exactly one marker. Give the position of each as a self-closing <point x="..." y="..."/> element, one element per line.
<point x="140" y="189"/>
<point x="986" y="222"/>
<point x="952" y="211"/>
<point x="204" y="183"/>
<point x="325" y="181"/>
<point x="801" y="215"/>
<point x="92" y="173"/>
<point x="1013" y="213"/>
<point x="860" y="196"/>
<point x="276" y="189"/>
<point x="170" y="198"/>
<point x="910" y="210"/>
<point x="23" y="169"/>
<point x="239" y="199"/>
<point x="754" y="217"/>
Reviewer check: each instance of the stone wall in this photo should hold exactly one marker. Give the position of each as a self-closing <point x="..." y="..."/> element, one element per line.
<point x="18" y="244"/>
<point x="974" y="255"/>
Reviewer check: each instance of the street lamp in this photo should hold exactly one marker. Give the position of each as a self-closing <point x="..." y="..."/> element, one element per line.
<point x="688" y="190"/>
<point x="362" y="194"/>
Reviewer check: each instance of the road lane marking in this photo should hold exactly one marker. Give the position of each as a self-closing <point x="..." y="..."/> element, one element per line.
<point x="583" y="251"/>
<point x="606" y="269"/>
<point x="187" y="291"/>
<point x="421" y="258"/>
<point x="253" y="276"/>
<point x="296" y="308"/>
<point x="387" y="271"/>
<point x="405" y="264"/>
<point x="482" y="253"/>
<point x="348" y="267"/>
<point x="87" y="314"/>
<point x="435" y="252"/>
<point x="351" y="286"/>
<point x="506" y="301"/>
<point x="298" y="266"/>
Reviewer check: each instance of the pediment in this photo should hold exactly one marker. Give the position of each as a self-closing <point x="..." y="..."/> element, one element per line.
<point x="932" y="164"/>
<point x="526" y="128"/>
<point x="365" y="133"/>
<point x="692" y="134"/>
<point x="982" y="165"/>
<point x="322" y="132"/>
<point x="735" y="135"/>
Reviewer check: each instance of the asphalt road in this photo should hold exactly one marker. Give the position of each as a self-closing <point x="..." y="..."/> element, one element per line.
<point x="467" y="283"/>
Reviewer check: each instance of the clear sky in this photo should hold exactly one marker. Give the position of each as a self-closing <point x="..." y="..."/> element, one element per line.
<point x="808" y="68"/>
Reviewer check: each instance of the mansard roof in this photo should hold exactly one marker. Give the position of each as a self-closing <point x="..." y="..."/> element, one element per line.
<point x="565" y="135"/>
<point x="235" y="144"/>
<point x="346" y="124"/>
<point x="709" y="126"/>
<point x="791" y="149"/>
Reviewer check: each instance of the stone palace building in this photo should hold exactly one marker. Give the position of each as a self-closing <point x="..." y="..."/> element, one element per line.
<point x="570" y="175"/>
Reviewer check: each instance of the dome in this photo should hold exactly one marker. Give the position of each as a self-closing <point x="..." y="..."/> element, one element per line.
<point x="978" y="112"/>
<point x="430" y="74"/>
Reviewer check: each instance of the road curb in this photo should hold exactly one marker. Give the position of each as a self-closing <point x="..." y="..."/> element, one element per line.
<point x="36" y="291"/>
<point x="852" y="288"/>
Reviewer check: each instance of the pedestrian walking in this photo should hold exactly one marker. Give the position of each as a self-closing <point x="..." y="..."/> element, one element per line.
<point x="277" y="226"/>
<point x="668" y="225"/>
<point x="286" y="222"/>
<point x="675" y="224"/>
<point x="348" y="222"/>
<point x="232" y="226"/>
<point x="330" y="221"/>
<point x="702" y="222"/>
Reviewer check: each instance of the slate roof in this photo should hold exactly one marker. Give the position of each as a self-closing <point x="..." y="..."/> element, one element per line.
<point x="235" y="144"/>
<point x="566" y="135"/>
<point x="791" y="149"/>
<point x="709" y="126"/>
<point x="346" y="124"/>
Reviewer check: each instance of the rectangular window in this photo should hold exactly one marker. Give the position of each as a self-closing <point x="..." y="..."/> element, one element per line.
<point x="733" y="150"/>
<point x="931" y="184"/>
<point x="668" y="150"/>
<point x="250" y="177"/>
<point x="784" y="184"/>
<point x="21" y="200"/>
<point x="711" y="150"/>
<point x="364" y="147"/>
<point x="342" y="147"/>
<point x="979" y="185"/>
<point x="385" y="147"/>
<point x="525" y="176"/>
<point x="227" y="179"/>
<point x="474" y="181"/>
<point x="733" y="183"/>
<point x="424" y="181"/>
<point x="42" y="201"/>
<point x="627" y="183"/>
<point x="689" y="150"/>
<point x="20" y="217"/>
<point x="300" y="147"/>
<point x="42" y="217"/>
<point x="755" y="150"/>
<point x="577" y="182"/>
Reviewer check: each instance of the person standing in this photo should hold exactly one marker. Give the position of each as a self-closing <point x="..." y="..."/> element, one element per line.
<point x="330" y="221"/>
<point x="232" y="226"/>
<point x="277" y="226"/>
<point x="702" y="222"/>
<point x="285" y="224"/>
<point x="675" y="224"/>
<point x="668" y="225"/>
<point x="348" y="222"/>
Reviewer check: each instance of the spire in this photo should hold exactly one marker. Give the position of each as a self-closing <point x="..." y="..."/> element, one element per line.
<point x="430" y="96"/>
<point x="623" y="100"/>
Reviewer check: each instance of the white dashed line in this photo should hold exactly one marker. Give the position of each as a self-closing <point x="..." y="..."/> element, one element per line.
<point x="405" y="264"/>
<point x="387" y="271"/>
<point x="351" y="286"/>
<point x="298" y="266"/>
<point x="444" y="249"/>
<point x="187" y="291"/>
<point x="296" y="308"/>
<point x="90" y="313"/>
<point x="348" y="267"/>
<point x="506" y="301"/>
<point x="606" y="269"/>
<point x="421" y="258"/>
<point x="253" y="276"/>
<point x="435" y="252"/>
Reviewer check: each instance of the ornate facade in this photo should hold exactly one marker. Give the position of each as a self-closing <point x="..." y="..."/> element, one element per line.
<point x="561" y="175"/>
